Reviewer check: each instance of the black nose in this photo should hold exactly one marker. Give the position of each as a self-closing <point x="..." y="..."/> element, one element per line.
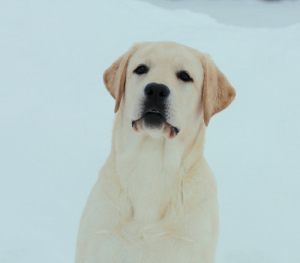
<point x="156" y="92"/>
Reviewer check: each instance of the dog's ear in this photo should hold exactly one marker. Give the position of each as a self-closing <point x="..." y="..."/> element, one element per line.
<point x="115" y="76"/>
<point x="217" y="92"/>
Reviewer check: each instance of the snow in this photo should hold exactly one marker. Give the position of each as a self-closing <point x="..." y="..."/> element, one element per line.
<point x="56" y="117"/>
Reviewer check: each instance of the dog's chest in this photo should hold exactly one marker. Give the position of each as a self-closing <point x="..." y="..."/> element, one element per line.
<point x="147" y="223"/>
<point x="173" y="238"/>
<point x="140" y="240"/>
<point x="151" y="192"/>
<point x="150" y="182"/>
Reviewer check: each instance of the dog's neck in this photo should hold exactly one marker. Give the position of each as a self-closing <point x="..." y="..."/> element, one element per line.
<point x="150" y="169"/>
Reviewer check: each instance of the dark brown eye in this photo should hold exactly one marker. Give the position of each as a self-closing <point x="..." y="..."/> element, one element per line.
<point x="184" y="76"/>
<point x="142" y="69"/>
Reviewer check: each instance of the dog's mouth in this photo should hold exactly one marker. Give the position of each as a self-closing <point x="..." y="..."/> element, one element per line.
<point x="154" y="116"/>
<point x="153" y="119"/>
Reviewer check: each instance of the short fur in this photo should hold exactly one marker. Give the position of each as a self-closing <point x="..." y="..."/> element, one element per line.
<point x="155" y="200"/>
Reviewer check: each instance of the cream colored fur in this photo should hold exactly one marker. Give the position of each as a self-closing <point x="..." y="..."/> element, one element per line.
<point x="155" y="200"/>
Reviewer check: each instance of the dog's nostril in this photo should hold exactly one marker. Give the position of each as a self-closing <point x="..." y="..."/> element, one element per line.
<point x="164" y="93"/>
<point x="149" y="92"/>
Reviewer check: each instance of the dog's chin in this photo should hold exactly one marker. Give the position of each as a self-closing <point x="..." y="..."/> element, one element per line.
<point x="155" y="126"/>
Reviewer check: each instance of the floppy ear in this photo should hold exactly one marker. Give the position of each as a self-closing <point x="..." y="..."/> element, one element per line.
<point x="115" y="76"/>
<point x="217" y="92"/>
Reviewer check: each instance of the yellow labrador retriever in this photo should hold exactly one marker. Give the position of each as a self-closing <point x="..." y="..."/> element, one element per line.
<point x="155" y="200"/>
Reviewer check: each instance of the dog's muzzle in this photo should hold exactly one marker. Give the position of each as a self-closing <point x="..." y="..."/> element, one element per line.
<point x="155" y="110"/>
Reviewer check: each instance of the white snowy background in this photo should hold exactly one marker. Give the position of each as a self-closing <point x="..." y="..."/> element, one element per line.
<point x="56" y="117"/>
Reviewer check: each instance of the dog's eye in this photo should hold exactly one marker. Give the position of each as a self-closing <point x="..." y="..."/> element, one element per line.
<point x="142" y="69"/>
<point x="184" y="76"/>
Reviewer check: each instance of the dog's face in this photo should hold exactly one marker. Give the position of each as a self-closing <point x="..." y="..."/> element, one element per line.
<point x="166" y="88"/>
<point x="163" y="89"/>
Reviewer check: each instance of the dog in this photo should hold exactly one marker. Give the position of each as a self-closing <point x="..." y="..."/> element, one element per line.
<point x="155" y="200"/>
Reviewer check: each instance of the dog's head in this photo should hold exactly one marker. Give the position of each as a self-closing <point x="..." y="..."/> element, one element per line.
<point x="164" y="87"/>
